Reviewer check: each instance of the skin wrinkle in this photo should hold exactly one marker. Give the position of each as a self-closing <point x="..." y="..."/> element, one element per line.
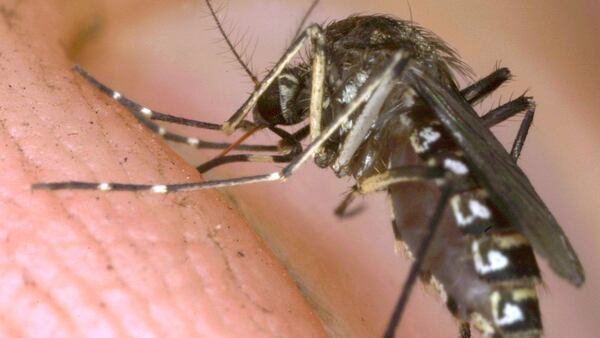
<point x="236" y="279"/>
<point x="166" y="288"/>
<point x="220" y="248"/>
<point x="145" y="300"/>
<point x="83" y="283"/>
<point x="142" y="252"/>
<point x="70" y="216"/>
<point x="119" y="113"/>
<point x="105" y="253"/>
<point x="7" y="318"/>
<point x="8" y="327"/>
<point x="186" y="258"/>
<point x="160" y="279"/>
<point x="177" y="302"/>
<point x="202" y="284"/>
<point x="164" y="281"/>
<point x="174" y="303"/>
<point x="211" y="235"/>
<point x="30" y="287"/>
<point x="127" y="120"/>
<point x="115" y="275"/>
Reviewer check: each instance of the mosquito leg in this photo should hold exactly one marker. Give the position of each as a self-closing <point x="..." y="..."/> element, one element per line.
<point x="398" y="244"/>
<point x="482" y="88"/>
<point x="464" y="330"/>
<point x="517" y="147"/>
<point x="382" y="181"/>
<point x="415" y="269"/>
<point x="305" y="17"/>
<point x="314" y="34"/>
<point x="394" y="69"/>
<point x="290" y="145"/>
<point x="219" y="161"/>
<point x="298" y="136"/>
<point x="158" y="116"/>
<point x="444" y="102"/>
<point x="409" y="173"/>
<point x="317" y="85"/>
<point x="362" y="125"/>
<point x="144" y="115"/>
<point x="317" y="39"/>
<point x="509" y="109"/>
<point x="342" y="209"/>
<point x="295" y="148"/>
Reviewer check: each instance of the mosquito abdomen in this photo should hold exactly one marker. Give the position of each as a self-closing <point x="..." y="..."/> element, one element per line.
<point x="483" y="269"/>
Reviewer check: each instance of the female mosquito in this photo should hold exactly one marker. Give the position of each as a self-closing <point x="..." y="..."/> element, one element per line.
<point x="381" y="104"/>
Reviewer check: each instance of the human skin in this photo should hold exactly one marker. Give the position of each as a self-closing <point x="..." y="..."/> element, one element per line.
<point x="95" y="265"/>
<point x="163" y="58"/>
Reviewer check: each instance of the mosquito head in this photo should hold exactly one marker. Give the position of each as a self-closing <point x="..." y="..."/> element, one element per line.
<point x="286" y="101"/>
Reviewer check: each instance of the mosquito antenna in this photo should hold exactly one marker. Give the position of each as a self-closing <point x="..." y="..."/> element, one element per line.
<point x="305" y="17"/>
<point x="231" y="46"/>
<point x="418" y="263"/>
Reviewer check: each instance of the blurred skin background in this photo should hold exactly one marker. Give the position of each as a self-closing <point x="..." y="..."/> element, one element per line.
<point x="170" y="57"/>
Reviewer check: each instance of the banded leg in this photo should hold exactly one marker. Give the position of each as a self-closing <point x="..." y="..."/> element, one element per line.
<point x="409" y="173"/>
<point x="509" y="109"/>
<point x="404" y="174"/>
<point x="287" y="138"/>
<point x="415" y="269"/>
<point x="314" y="34"/>
<point x="145" y="115"/>
<point x="394" y="69"/>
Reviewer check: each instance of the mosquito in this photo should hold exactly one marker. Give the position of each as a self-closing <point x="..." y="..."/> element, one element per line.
<point x="379" y="102"/>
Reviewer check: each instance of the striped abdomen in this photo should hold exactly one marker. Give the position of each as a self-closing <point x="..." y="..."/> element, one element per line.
<point x="481" y="266"/>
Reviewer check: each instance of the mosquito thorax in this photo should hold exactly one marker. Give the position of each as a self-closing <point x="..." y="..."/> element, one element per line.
<point x="285" y="102"/>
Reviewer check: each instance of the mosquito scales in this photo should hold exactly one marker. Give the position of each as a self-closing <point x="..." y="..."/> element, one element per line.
<point x="378" y="101"/>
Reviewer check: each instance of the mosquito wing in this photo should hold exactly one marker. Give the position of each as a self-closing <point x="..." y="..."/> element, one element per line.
<point x="508" y="186"/>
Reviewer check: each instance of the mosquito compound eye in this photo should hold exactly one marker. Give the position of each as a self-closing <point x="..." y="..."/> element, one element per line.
<point x="281" y="103"/>
<point x="268" y="107"/>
